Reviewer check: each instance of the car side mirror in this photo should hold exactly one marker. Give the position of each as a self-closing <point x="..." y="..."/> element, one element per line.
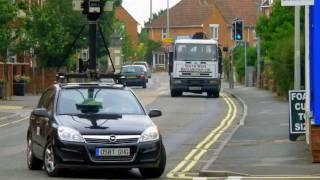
<point x="41" y="112"/>
<point x="154" y="113"/>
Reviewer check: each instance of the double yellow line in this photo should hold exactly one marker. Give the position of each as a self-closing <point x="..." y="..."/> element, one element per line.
<point x="186" y="165"/>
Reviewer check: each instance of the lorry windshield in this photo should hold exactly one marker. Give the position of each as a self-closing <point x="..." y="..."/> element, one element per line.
<point x="196" y="52"/>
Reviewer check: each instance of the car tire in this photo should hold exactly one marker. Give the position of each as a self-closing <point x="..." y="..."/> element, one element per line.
<point x="209" y="94"/>
<point x="49" y="161"/>
<point x="33" y="162"/>
<point x="155" y="172"/>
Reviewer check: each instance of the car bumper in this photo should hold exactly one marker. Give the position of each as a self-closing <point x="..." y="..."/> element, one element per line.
<point x="82" y="155"/>
<point x="196" y="85"/>
<point x="133" y="82"/>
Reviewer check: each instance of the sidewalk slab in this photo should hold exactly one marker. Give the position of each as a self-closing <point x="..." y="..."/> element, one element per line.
<point x="262" y="146"/>
<point x="18" y="102"/>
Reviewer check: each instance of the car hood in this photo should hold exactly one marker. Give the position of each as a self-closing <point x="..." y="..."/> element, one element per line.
<point x="126" y="125"/>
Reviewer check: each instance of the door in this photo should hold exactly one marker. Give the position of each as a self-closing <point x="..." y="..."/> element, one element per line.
<point x="44" y="122"/>
<point x="36" y="125"/>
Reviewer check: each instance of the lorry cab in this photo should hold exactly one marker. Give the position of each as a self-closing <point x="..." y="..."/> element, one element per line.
<point x="195" y="67"/>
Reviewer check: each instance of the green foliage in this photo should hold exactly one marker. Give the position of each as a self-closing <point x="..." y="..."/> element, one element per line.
<point x="240" y="60"/>
<point x="126" y="42"/>
<point x="146" y="47"/>
<point x="277" y="34"/>
<point x="72" y="62"/>
<point x="8" y="14"/>
<point x="52" y="29"/>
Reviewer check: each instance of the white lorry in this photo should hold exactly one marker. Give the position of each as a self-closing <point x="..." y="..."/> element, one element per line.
<point x="195" y="66"/>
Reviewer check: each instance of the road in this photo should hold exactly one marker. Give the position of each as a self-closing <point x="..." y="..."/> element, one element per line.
<point x="188" y="125"/>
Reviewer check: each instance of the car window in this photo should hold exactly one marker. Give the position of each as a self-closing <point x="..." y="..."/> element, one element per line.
<point x="132" y="69"/>
<point x="112" y="101"/>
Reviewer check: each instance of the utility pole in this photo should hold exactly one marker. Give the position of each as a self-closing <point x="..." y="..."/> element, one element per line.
<point x="307" y="71"/>
<point x="245" y="64"/>
<point x="259" y="52"/>
<point x="151" y="15"/>
<point x="168" y="19"/>
<point x="297" y="63"/>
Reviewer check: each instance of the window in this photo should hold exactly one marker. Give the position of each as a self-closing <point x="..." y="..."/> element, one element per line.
<point x="214" y="30"/>
<point x="164" y="33"/>
<point x="112" y="101"/>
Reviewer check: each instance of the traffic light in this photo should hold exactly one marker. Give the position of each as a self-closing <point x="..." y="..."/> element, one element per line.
<point x="239" y="30"/>
<point x="234" y="30"/>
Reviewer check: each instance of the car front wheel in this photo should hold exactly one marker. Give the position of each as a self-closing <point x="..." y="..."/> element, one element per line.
<point x="49" y="163"/>
<point x="33" y="162"/>
<point x="155" y="172"/>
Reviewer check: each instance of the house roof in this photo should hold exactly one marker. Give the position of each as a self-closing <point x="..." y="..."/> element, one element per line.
<point x="192" y="13"/>
<point x="119" y="9"/>
<point x="246" y="10"/>
<point x="187" y="13"/>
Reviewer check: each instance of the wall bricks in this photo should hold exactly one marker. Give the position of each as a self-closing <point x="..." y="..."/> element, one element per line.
<point x="315" y="143"/>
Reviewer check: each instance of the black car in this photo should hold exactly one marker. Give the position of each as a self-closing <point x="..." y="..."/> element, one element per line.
<point x="134" y="75"/>
<point x="94" y="125"/>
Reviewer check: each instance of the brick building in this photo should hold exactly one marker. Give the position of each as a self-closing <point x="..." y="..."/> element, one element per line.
<point x="213" y="17"/>
<point x="131" y="24"/>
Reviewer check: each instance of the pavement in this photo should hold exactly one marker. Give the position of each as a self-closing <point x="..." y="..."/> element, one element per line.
<point x="261" y="146"/>
<point x="17" y="107"/>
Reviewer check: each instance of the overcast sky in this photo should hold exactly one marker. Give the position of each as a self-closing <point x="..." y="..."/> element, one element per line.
<point x="140" y="9"/>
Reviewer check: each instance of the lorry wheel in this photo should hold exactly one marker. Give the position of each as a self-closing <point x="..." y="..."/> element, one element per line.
<point x="216" y="94"/>
<point x="179" y="93"/>
<point x="173" y="93"/>
<point x="209" y="94"/>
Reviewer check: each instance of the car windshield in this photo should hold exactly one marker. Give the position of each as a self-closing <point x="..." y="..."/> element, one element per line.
<point x="195" y="52"/>
<point x="132" y="69"/>
<point x="111" y="101"/>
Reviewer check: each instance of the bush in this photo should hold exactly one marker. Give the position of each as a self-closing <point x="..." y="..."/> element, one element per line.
<point x="239" y="60"/>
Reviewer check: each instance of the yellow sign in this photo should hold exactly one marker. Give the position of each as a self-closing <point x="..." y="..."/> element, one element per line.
<point x="167" y="40"/>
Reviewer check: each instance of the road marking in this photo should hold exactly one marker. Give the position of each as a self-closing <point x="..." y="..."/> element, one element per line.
<point x="14" y="122"/>
<point x="2" y="107"/>
<point x="281" y="177"/>
<point x="234" y="178"/>
<point x="180" y="172"/>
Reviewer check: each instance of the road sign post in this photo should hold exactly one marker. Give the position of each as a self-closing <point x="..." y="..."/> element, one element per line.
<point x="297" y="116"/>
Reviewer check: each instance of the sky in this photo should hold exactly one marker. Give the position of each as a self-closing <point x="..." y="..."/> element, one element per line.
<point x="140" y="9"/>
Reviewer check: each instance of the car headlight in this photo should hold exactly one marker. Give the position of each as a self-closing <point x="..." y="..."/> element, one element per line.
<point x="150" y="134"/>
<point x="69" y="134"/>
<point x="177" y="81"/>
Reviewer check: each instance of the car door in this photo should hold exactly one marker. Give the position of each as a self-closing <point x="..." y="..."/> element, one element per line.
<point x="35" y="127"/>
<point x="44" y="122"/>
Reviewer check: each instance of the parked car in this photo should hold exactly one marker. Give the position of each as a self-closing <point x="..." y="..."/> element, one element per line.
<point x="134" y="75"/>
<point x="145" y="64"/>
<point x="93" y="125"/>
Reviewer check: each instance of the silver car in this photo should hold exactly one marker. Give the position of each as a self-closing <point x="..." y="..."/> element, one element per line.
<point x="145" y="64"/>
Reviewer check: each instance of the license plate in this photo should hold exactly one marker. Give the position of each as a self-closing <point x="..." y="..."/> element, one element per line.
<point x="195" y="88"/>
<point x="113" y="152"/>
<point x="131" y="77"/>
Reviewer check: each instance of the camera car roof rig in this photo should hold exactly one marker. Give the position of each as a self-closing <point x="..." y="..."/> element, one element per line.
<point x="93" y="9"/>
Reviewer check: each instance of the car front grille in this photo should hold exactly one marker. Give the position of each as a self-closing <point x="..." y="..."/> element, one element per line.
<point x="118" y="139"/>
<point x="112" y="141"/>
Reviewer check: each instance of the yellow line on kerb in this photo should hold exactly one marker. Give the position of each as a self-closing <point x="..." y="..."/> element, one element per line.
<point x="180" y="171"/>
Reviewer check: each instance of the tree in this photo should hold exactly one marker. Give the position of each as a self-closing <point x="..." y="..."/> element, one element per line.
<point x="8" y="16"/>
<point x="145" y="51"/>
<point x="52" y="29"/>
<point x="277" y="34"/>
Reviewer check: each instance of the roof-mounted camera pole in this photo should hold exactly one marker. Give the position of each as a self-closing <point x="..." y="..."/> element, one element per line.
<point x="93" y="9"/>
